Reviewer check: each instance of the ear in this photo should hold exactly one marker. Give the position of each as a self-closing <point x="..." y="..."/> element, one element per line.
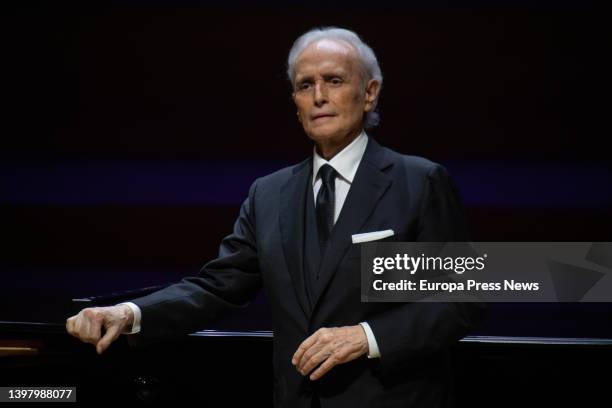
<point x="371" y="94"/>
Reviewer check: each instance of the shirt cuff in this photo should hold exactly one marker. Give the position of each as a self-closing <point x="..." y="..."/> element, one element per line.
<point x="137" y="317"/>
<point x="373" y="351"/>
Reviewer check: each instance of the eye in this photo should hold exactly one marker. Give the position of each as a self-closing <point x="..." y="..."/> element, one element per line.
<point x="336" y="81"/>
<point x="303" y="86"/>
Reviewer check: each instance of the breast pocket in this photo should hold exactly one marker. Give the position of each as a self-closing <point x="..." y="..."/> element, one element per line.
<point x="355" y="250"/>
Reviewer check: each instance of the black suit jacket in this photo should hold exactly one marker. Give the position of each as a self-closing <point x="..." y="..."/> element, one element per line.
<point x="410" y="195"/>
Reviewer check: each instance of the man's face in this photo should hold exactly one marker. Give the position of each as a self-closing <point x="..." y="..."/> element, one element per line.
<point x="329" y="92"/>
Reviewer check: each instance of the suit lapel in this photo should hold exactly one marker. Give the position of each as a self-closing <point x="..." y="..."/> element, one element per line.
<point x="368" y="187"/>
<point x="292" y="202"/>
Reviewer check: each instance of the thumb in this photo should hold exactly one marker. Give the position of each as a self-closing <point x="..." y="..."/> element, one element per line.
<point x="111" y="335"/>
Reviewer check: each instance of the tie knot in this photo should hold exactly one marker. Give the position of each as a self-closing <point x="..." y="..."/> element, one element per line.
<point x="328" y="174"/>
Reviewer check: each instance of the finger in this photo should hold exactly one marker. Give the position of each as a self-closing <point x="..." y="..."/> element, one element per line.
<point x="70" y="325"/>
<point x="324" y="368"/>
<point x="77" y="327"/>
<point x="308" y="355"/>
<point x="306" y="344"/>
<point x="95" y="330"/>
<point x="87" y="326"/>
<point x="314" y="344"/>
<point x="111" y="335"/>
<point x="86" y="331"/>
<point x="315" y="360"/>
<point x="313" y="350"/>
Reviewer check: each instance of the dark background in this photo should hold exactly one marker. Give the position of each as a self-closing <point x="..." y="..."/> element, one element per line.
<point x="130" y="134"/>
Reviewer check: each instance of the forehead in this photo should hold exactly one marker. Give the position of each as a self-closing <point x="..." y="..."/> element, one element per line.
<point x="326" y="55"/>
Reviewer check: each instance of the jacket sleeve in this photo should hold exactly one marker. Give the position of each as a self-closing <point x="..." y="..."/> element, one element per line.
<point x="409" y="332"/>
<point x="229" y="282"/>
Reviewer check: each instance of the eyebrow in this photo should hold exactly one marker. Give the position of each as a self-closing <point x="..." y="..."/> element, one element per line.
<point x="303" y="78"/>
<point x="341" y="74"/>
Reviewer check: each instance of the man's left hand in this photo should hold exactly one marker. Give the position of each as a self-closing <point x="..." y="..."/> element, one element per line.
<point x="329" y="347"/>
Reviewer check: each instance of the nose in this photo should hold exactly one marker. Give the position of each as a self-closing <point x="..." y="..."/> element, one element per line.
<point x="320" y="94"/>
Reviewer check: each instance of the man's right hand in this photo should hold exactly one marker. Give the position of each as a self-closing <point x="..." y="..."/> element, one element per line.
<point x="100" y="326"/>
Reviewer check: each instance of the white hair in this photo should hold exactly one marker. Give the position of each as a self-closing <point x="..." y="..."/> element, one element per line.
<point x="367" y="58"/>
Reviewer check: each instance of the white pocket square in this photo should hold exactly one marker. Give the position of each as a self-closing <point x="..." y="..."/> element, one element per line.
<point x="371" y="236"/>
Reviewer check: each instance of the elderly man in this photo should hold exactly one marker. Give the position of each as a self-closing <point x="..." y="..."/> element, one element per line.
<point x="293" y="236"/>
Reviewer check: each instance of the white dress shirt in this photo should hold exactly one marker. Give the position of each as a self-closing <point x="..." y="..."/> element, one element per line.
<point x="345" y="163"/>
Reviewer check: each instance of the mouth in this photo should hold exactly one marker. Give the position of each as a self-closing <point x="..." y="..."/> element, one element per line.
<point x="322" y="116"/>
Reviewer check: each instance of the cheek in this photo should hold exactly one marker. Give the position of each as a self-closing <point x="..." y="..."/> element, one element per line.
<point x="300" y="102"/>
<point x="301" y="109"/>
<point x="351" y="104"/>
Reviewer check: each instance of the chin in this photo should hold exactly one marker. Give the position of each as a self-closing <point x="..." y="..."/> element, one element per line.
<point x="321" y="134"/>
<point x="317" y="138"/>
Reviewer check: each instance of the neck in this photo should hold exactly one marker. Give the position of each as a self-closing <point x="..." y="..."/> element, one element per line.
<point x="329" y="148"/>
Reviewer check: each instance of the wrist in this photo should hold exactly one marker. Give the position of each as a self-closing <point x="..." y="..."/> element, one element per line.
<point x="363" y="339"/>
<point x="127" y="315"/>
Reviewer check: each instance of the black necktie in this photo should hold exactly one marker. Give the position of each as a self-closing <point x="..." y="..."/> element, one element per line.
<point x="326" y="199"/>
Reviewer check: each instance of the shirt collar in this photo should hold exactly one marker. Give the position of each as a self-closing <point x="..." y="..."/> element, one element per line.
<point x="346" y="161"/>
